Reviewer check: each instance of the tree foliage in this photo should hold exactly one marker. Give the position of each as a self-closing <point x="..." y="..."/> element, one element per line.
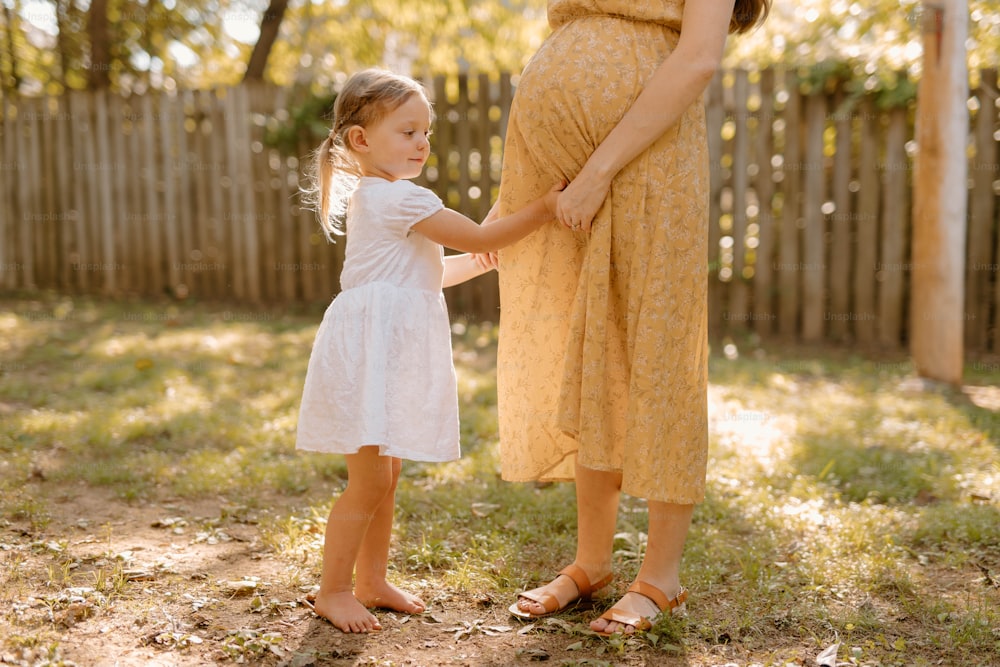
<point x="871" y="40"/>
<point x="47" y="46"/>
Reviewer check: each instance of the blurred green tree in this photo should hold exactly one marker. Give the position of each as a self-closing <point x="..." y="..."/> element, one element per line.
<point x="47" y="46"/>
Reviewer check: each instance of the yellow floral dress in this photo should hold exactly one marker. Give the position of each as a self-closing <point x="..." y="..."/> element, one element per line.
<point x="603" y="337"/>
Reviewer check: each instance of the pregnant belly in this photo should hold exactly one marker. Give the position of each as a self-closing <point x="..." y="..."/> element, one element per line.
<point x="590" y="70"/>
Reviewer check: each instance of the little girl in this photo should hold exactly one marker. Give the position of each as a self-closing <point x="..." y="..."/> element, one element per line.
<point x="381" y="384"/>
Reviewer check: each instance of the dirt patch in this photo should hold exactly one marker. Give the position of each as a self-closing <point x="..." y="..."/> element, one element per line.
<point x="106" y="582"/>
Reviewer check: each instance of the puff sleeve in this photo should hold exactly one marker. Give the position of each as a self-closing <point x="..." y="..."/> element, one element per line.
<point x="412" y="203"/>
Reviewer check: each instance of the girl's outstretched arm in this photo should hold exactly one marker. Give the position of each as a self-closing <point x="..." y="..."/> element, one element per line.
<point x="489" y="260"/>
<point x="453" y="230"/>
<point x="459" y="268"/>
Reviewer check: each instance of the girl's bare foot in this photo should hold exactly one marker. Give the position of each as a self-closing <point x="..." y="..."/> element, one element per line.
<point x="345" y="612"/>
<point x="383" y="595"/>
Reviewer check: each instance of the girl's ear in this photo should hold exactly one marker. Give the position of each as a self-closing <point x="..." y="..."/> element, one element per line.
<point x="357" y="138"/>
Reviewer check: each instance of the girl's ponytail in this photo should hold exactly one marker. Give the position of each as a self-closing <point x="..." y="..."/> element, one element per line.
<point x="336" y="176"/>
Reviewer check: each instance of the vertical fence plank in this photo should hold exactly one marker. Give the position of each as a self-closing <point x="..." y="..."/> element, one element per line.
<point x="305" y="224"/>
<point x="62" y="151"/>
<point x="26" y="207"/>
<point x="813" y="266"/>
<point x="788" y="239"/>
<point x="30" y="216"/>
<point x="866" y="245"/>
<point x="53" y="217"/>
<point x="483" y="145"/>
<point x="220" y="252"/>
<point x="171" y="215"/>
<point x="740" y="161"/>
<point x="9" y="167"/>
<point x="136" y="217"/>
<point x="120" y="215"/>
<point x="154" y="229"/>
<point x="892" y="269"/>
<point x="763" y="182"/>
<point x="261" y="194"/>
<point x="12" y="165"/>
<point x="236" y="236"/>
<point x="840" y="232"/>
<point x="249" y="226"/>
<point x="82" y="129"/>
<point x="463" y="137"/>
<point x="506" y="97"/>
<point x="443" y="133"/>
<point x="488" y="284"/>
<point x="284" y="218"/>
<point x="105" y="264"/>
<point x="714" y="116"/>
<point x="979" y="248"/>
<point x="201" y="115"/>
<point x="40" y="219"/>
<point x="186" y="169"/>
<point x="200" y="172"/>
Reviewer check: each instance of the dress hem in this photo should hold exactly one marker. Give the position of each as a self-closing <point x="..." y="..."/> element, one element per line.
<point x="383" y="450"/>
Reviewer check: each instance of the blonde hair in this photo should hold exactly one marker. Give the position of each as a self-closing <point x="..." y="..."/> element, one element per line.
<point x="367" y="97"/>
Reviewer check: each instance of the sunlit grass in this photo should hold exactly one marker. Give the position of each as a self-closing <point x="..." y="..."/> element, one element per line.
<point x="843" y="505"/>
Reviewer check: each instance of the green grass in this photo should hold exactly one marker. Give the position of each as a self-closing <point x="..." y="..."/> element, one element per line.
<point x="843" y="506"/>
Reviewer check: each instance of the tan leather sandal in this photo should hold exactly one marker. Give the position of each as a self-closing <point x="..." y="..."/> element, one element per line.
<point x="550" y="603"/>
<point x="658" y="597"/>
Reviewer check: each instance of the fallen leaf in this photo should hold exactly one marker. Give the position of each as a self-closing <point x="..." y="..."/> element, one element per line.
<point x="526" y="629"/>
<point x="240" y="587"/>
<point x="828" y="657"/>
<point x="536" y="654"/>
<point x="484" y="509"/>
<point x="559" y="623"/>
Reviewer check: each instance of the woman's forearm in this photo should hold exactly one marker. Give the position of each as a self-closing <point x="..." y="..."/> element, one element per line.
<point x="675" y="85"/>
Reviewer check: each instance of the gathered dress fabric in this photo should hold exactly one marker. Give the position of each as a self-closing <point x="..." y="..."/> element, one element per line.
<point x="381" y="370"/>
<point x="603" y="336"/>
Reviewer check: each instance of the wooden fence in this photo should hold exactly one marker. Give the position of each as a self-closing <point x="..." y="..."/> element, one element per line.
<point x="180" y="195"/>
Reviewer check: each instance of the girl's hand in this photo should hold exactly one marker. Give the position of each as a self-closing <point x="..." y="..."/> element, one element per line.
<point x="488" y="261"/>
<point x="551" y="198"/>
<point x="580" y="201"/>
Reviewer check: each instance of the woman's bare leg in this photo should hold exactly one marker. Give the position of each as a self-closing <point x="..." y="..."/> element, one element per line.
<point x="668" y="529"/>
<point x="597" y="496"/>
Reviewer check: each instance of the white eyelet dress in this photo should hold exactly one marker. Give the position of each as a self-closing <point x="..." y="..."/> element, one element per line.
<point x="381" y="370"/>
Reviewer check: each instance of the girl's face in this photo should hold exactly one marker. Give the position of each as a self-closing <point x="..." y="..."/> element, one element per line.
<point x="395" y="147"/>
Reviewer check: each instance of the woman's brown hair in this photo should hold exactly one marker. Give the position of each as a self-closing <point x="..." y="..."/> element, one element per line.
<point x="747" y="14"/>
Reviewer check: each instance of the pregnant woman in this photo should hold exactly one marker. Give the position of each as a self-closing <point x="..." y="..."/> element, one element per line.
<point x="603" y="344"/>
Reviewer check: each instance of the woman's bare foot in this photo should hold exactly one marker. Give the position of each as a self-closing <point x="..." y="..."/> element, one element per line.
<point x="345" y="612"/>
<point x="632" y="604"/>
<point x="383" y="595"/>
<point x="563" y="588"/>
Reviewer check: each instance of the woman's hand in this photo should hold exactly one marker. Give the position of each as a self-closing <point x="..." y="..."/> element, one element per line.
<point x="580" y="201"/>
